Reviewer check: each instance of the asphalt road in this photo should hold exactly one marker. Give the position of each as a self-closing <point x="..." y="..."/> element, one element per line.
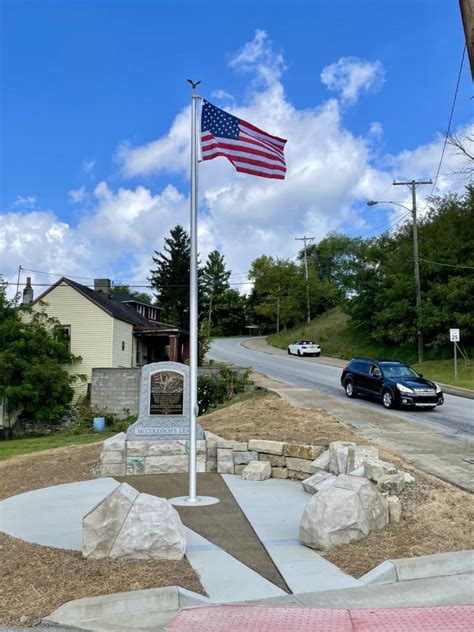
<point x="454" y="419"/>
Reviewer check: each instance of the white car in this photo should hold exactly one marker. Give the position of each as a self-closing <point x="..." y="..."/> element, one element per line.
<point x="304" y="347"/>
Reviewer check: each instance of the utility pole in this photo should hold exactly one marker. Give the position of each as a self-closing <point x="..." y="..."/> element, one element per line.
<point x="306" y="240"/>
<point x="412" y="184"/>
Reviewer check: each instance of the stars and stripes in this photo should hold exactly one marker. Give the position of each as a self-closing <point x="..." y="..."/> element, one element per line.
<point x="248" y="148"/>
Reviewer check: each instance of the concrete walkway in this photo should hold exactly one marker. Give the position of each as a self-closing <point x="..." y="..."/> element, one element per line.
<point x="52" y="516"/>
<point x="274" y="508"/>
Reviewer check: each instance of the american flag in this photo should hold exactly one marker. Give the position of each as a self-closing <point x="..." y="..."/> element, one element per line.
<point x="249" y="149"/>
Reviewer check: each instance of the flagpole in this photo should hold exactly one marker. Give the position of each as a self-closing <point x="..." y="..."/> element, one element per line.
<point x="193" y="305"/>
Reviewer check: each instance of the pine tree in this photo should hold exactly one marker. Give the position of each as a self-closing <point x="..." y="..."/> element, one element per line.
<point x="170" y="278"/>
<point x="215" y="283"/>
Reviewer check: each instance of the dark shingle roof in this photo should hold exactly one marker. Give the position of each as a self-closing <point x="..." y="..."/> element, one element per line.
<point x="112" y="306"/>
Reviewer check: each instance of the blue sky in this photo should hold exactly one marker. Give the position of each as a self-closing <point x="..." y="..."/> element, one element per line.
<point x="95" y="114"/>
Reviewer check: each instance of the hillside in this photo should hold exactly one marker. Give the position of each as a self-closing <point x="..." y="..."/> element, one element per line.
<point x="333" y="332"/>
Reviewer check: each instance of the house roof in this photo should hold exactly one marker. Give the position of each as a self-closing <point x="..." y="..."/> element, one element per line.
<point x="113" y="307"/>
<point x="126" y="298"/>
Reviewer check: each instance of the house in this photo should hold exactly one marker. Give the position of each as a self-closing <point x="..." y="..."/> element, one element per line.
<point x="108" y="331"/>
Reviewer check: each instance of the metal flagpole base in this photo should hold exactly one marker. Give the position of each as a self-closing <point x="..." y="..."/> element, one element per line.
<point x="199" y="501"/>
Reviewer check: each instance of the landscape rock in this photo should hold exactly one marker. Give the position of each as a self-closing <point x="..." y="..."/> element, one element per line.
<point x="240" y="446"/>
<point x="338" y="453"/>
<point x="112" y="456"/>
<point x="322" y="462"/>
<point x="211" y="465"/>
<point x="358" y="472"/>
<point x="298" y="465"/>
<point x="274" y="459"/>
<point x="270" y="447"/>
<point x="279" y="472"/>
<point x="310" y="483"/>
<point x="392" y="483"/>
<point x="374" y="469"/>
<point x="347" y="510"/>
<point x="117" y="442"/>
<point x="357" y="454"/>
<point x="152" y="531"/>
<point x="112" y="469"/>
<point x="394" y="509"/>
<point x="102" y="524"/>
<point x="408" y="478"/>
<point x="257" y="471"/>
<point x="297" y="475"/>
<point x="244" y="457"/>
<point x="225" y="443"/>
<point x="225" y="467"/>
<point x="132" y="526"/>
<point x="302" y="451"/>
<point x="225" y="454"/>
<point x="238" y="469"/>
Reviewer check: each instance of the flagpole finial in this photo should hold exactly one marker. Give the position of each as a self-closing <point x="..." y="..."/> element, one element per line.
<point x="194" y="84"/>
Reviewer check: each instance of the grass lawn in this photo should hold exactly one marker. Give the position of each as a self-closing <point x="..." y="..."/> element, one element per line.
<point x="14" y="447"/>
<point x="331" y="330"/>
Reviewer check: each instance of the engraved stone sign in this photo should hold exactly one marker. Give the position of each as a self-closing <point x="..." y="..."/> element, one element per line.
<point x="163" y="404"/>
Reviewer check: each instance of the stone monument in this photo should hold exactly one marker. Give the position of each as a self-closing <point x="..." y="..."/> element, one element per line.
<point x="163" y="412"/>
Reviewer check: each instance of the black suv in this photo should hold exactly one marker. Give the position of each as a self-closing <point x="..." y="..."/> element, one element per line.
<point x="391" y="381"/>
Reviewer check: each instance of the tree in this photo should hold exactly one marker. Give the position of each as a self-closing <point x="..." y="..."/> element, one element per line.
<point x="170" y="278"/>
<point x="34" y="354"/>
<point x="215" y="282"/>
<point x="383" y="303"/>
<point x="334" y="260"/>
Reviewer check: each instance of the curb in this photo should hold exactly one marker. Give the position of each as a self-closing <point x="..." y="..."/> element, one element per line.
<point x="408" y="568"/>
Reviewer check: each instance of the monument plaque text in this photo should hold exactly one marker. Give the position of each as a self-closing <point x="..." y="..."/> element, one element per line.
<point x="166" y="393"/>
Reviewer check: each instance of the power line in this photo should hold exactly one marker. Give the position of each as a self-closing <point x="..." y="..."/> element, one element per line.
<point x="448" y="265"/>
<point x="449" y="124"/>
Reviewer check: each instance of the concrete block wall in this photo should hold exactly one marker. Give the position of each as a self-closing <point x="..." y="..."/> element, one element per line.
<point x="115" y="390"/>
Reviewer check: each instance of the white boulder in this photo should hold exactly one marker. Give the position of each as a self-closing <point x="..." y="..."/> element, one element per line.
<point x="257" y="471"/>
<point x="338" y="454"/>
<point x="348" y="510"/>
<point x="318" y="481"/>
<point x="132" y="526"/>
<point x="358" y="454"/>
<point x="321" y="463"/>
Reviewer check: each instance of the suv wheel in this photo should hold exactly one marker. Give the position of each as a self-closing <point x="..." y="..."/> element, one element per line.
<point x="289" y="352"/>
<point x="350" y="389"/>
<point x="299" y="352"/>
<point x="387" y="399"/>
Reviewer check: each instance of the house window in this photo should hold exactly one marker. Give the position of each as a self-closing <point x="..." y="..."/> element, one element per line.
<point x="67" y="335"/>
<point x="123" y="345"/>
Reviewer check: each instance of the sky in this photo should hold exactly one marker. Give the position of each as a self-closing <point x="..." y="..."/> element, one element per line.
<point x="95" y="126"/>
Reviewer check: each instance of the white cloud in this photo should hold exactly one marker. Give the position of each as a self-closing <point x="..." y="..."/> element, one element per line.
<point x="24" y="202"/>
<point x="88" y="165"/>
<point x="77" y="195"/>
<point x="350" y="76"/>
<point x="331" y="173"/>
<point x="259" y="58"/>
<point x="376" y="129"/>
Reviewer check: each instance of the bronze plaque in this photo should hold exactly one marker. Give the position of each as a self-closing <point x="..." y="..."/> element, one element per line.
<point x="166" y="393"/>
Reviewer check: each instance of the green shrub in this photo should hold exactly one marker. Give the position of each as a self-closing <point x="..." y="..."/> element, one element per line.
<point x="217" y="388"/>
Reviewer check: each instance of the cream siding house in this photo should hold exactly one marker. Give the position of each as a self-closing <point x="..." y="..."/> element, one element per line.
<point x="106" y="332"/>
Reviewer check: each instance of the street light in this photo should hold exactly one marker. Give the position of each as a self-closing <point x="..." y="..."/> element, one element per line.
<point x="419" y="333"/>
